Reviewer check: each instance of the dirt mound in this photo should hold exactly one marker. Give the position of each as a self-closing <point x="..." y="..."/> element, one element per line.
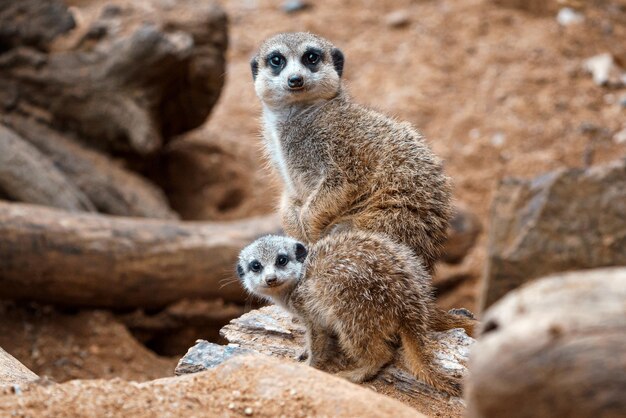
<point x="243" y="386"/>
<point x="83" y="345"/>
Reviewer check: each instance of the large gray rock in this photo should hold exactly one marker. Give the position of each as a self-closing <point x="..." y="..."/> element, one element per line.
<point x="569" y="219"/>
<point x="553" y="348"/>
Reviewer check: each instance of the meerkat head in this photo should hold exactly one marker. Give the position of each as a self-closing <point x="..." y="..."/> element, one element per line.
<point x="296" y="68"/>
<point x="271" y="265"/>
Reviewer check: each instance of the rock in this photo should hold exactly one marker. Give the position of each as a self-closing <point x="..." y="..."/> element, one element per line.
<point x="463" y="232"/>
<point x="569" y="219"/>
<point x="293" y="6"/>
<point x="553" y="348"/>
<point x="271" y="331"/>
<point x="12" y="372"/>
<point x="568" y="16"/>
<point x="620" y="137"/>
<point x="205" y="355"/>
<point x="398" y="19"/>
<point x="605" y="71"/>
<point x="242" y="385"/>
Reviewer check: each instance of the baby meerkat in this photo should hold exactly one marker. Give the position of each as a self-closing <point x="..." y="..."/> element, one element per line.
<point x="361" y="287"/>
<point x="344" y="166"/>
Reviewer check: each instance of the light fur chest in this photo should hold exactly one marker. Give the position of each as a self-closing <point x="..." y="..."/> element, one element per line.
<point x="275" y="149"/>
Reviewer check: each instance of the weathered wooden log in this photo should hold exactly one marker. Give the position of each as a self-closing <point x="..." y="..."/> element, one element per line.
<point x="273" y="332"/>
<point x="28" y="176"/>
<point x="111" y="188"/>
<point x="129" y="89"/>
<point x="94" y="260"/>
<point x="12" y="372"/>
<point x="553" y="348"/>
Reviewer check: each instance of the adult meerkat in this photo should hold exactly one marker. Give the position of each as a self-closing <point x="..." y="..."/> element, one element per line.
<point x="361" y="287"/>
<point x="344" y="166"/>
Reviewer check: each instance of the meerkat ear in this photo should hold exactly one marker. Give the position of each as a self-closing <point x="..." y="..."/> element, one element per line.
<point x="338" y="60"/>
<point x="301" y="252"/>
<point x="254" y="66"/>
<point x="240" y="271"/>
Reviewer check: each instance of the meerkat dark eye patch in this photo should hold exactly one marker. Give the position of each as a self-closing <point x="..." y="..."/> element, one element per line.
<point x="338" y="60"/>
<point x="276" y="62"/>
<point x="301" y="252"/>
<point x="254" y="66"/>
<point x="255" y="266"/>
<point x="311" y="58"/>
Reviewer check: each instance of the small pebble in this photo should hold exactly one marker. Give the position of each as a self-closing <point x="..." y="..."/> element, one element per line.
<point x="248" y="411"/>
<point x="568" y="16"/>
<point x="293" y="6"/>
<point x="398" y="19"/>
<point x="231" y="406"/>
<point x="293" y="392"/>
<point x="620" y="137"/>
<point x="498" y="139"/>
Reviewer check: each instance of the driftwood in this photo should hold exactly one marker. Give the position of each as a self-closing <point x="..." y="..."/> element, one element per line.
<point x="553" y="348"/>
<point x="129" y="89"/>
<point x="111" y="188"/>
<point x="28" y="176"/>
<point x="94" y="260"/>
<point x="273" y="332"/>
<point x="120" y="77"/>
<point x="12" y="372"/>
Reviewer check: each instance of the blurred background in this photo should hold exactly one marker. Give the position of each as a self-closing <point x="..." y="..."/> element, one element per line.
<point x="146" y="109"/>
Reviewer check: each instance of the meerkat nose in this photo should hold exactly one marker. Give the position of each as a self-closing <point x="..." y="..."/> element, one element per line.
<point x="270" y="280"/>
<point x="295" y="81"/>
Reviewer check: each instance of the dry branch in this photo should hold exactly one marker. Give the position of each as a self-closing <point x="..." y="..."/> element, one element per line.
<point x="92" y="260"/>
<point x="29" y="176"/>
<point x="111" y="188"/>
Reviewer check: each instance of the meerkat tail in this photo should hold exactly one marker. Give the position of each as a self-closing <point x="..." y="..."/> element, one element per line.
<point x="419" y="357"/>
<point x="441" y="320"/>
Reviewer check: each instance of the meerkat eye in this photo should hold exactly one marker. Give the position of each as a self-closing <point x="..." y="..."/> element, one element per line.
<point x="276" y="61"/>
<point x="282" y="260"/>
<point x="255" y="266"/>
<point x="312" y="58"/>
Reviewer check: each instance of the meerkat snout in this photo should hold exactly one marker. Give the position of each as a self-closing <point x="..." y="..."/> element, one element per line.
<point x="292" y="68"/>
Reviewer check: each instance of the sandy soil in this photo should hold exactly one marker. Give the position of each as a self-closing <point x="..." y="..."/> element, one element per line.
<point x="498" y="92"/>
<point x="83" y="345"/>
